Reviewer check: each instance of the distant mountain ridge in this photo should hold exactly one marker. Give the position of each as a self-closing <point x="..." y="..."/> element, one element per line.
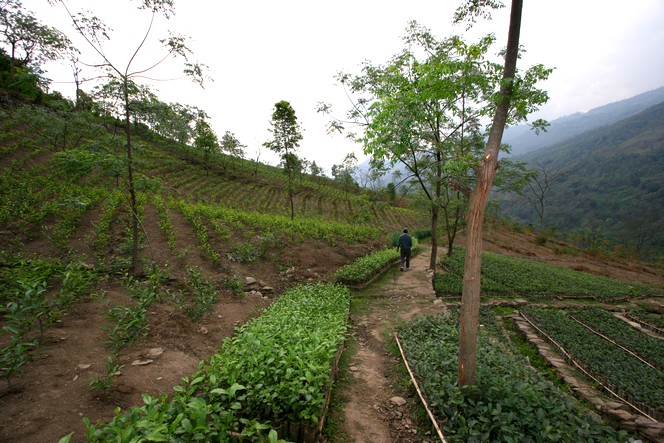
<point x="524" y="140"/>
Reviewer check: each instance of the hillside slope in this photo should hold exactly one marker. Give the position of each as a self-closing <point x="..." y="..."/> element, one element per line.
<point x="611" y="181"/>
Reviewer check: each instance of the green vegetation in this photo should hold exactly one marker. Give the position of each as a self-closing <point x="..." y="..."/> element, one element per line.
<point x="511" y="401"/>
<point x="276" y="368"/>
<point x="610" y="187"/>
<point x="365" y="268"/>
<point x="623" y="372"/>
<point x="649" y="348"/>
<point x="505" y="276"/>
<point x="27" y="308"/>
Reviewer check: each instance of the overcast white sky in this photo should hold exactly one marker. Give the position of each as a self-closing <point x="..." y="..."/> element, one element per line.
<point x="263" y="51"/>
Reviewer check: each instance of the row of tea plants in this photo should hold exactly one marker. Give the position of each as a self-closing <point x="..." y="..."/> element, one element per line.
<point x="621" y="371"/>
<point x="366" y="267"/>
<point x="604" y="322"/>
<point x="275" y="368"/>
<point x="511" y="402"/>
<point x="505" y="276"/>
<point x="33" y="295"/>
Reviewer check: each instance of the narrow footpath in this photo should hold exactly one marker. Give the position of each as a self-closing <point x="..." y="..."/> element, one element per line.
<point x="372" y="405"/>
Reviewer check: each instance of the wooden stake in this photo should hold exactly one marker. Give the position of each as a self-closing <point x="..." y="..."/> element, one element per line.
<point x="419" y="392"/>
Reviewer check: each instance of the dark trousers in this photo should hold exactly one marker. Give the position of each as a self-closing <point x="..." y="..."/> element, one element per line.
<point x="405" y="257"/>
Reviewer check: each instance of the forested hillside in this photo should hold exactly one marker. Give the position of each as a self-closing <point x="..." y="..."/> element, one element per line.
<point x="607" y="183"/>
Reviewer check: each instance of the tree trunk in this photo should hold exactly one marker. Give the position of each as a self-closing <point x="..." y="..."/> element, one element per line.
<point x="434" y="237"/>
<point x="470" y="301"/>
<point x="132" y="189"/>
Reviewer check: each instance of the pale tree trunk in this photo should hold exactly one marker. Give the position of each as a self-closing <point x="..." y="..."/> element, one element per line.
<point x="470" y="301"/>
<point x="132" y="190"/>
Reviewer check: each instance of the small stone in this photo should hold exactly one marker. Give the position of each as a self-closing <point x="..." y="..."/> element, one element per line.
<point x="84" y="366"/>
<point x="267" y="289"/>
<point x="75" y="377"/>
<point x="203" y="330"/>
<point x="353" y="369"/>
<point x="398" y="401"/>
<point x="437" y="302"/>
<point x="249" y="280"/>
<point x="141" y="362"/>
<point x="154" y="352"/>
<point x="219" y="316"/>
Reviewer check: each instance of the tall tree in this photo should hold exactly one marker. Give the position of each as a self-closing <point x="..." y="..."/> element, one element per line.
<point x="231" y="146"/>
<point x="286" y="137"/>
<point x="422" y="110"/>
<point x="507" y="100"/>
<point x="30" y="42"/>
<point x="123" y="79"/>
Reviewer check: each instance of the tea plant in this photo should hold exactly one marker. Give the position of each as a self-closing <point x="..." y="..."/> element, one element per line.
<point x="204" y="294"/>
<point x="511" y="276"/>
<point x="275" y="368"/>
<point x="364" y="268"/>
<point x="76" y="280"/>
<point x="107" y="380"/>
<point x="235" y="284"/>
<point x="200" y="231"/>
<point x="648" y="348"/>
<point x="165" y="221"/>
<point x="15" y="354"/>
<point x="511" y="401"/>
<point x="611" y="364"/>
<point x="108" y="216"/>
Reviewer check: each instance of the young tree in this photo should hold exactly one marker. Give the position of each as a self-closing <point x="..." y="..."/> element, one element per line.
<point x="315" y="170"/>
<point x="206" y="140"/>
<point x="422" y="110"/>
<point x="231" y="146"/>
<point x="122" y="80"/>
<point x="286" y="135"/>
<point x="343" y="173"/>
<point x="30" y="42"/>
<point x="542" y="181"/>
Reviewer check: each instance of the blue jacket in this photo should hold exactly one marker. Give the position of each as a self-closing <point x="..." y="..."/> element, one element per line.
<point x="405" y="241"/>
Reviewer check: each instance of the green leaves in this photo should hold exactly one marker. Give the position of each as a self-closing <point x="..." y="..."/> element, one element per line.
<point x="511" y="402"/>
<point x="606" y="361"/>
<point x="511" y="276"/>
<point x="276" y="368"/>
<point x="368" y="266"/>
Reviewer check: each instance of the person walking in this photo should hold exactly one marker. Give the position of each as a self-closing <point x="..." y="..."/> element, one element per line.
<point x="404" y="244"/>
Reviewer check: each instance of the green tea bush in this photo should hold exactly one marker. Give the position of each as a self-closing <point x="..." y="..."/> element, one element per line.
<point x="511" y="276"/>
<point x="511" y="401"/>
<point x="367" y="267"/>
<point x="275" y="368"/>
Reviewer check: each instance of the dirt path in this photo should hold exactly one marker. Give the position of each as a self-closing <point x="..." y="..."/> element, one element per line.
<point x="376" y="408"/>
